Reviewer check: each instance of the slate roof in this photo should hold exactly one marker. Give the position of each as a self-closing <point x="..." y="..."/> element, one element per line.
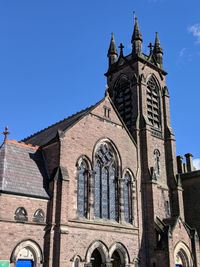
<point x="46" y="135"/>
<point x="22" y="170"/>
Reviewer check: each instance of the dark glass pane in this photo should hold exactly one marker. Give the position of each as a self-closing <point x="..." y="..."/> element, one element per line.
<point x="97" y="189"/>
<point x="112" y="193"/>
<point x="82" y="190"/>
<point x="104" y="200"/>
<point x="127" y="199"/>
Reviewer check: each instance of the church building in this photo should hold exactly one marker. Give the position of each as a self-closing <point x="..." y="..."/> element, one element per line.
<point x="103" y="187"/>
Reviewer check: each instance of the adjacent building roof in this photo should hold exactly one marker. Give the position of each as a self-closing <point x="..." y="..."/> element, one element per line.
<point x="22" y="170"/>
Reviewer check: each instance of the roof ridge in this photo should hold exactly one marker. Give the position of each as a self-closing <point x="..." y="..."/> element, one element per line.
<point x="54" y="124"/>
<point x="22" y="144"/>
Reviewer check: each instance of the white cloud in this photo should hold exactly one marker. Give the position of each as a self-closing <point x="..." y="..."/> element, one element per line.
<point x="195" y="30"/>
<point x="182" y="52"/>
<point x="196" y="163"/>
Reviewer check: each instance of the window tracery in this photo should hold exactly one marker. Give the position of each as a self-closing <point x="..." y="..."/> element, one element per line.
<point x="105" y="199"/>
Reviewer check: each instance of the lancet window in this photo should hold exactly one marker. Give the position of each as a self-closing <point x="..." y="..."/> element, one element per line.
<point x="122" y="99"/>
<point x="153" y="103"/>
<point x="105" y="192"/>
<point x="82" y="188"/>
<point x="128" y="193"/>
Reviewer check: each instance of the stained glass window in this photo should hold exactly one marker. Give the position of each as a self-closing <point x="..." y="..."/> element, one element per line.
<point x="153" y="103"/>
<point x="82" y="192"/>
<point x="105" y="200"/>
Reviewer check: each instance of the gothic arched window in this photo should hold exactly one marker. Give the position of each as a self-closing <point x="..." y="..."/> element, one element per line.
<point x="39" y="216"/>
<point x="153" y="103"/>
<point x="105" y="192"/>
<point x="128" y="211"/>
<point x="82" y="188"/>
<point x="21" y="214"/>
<point x="122" y="99"/>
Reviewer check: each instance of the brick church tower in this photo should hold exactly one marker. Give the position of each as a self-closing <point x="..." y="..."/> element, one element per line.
<point x="137" y="87"/>
<point x="101" y="187"/>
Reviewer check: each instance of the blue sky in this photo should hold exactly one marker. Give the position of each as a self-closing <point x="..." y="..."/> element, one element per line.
<point x="53" y="59"/>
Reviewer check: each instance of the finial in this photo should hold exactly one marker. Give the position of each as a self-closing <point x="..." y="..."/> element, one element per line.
<point x="6" y="133"/>
<point x="157" y="51"/>
<point x="150" y="47"/>
<point x="157" y="41"/>
<point x="112" y="51"/>
<point x="134" y="17"/>
<point x="136" y="39"/>
<point x="121" y="49"/>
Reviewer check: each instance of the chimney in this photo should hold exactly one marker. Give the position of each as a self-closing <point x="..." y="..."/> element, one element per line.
<point x="180" y="164"/>
<point x="189" y="162"/>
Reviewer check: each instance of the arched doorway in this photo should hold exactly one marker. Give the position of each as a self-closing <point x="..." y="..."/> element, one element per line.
<point x="181" y="259"/>
<point x="119" y="255"/>
<point x="27" y="254"/>
<point x="116" y="261"/>
<point x="97" y="254"/>
<point x="182" y="256"/>
<point x="96" y="259"/>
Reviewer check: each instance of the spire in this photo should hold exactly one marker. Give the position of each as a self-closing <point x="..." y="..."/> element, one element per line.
<point x="157" y="51"/>
<point x="136" y="38"/>
<point x="112" y="51"/>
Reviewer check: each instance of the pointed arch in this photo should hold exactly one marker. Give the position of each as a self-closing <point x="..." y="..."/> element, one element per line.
<point x="102" y="249"/>
<point x="122" y="251"/>
<point x="129" y="196"/>
<point x="122" y="98"/>
<point x="21" y="214"/>
<point x="27" y="250"/>
<point x="183" y="255"/>
<point x="39" y="216"/>
<point x="83" y="168"/>
<point x="106" y="168"/>
<point x="153" y="98"/>
<point x="76" y="260"/>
